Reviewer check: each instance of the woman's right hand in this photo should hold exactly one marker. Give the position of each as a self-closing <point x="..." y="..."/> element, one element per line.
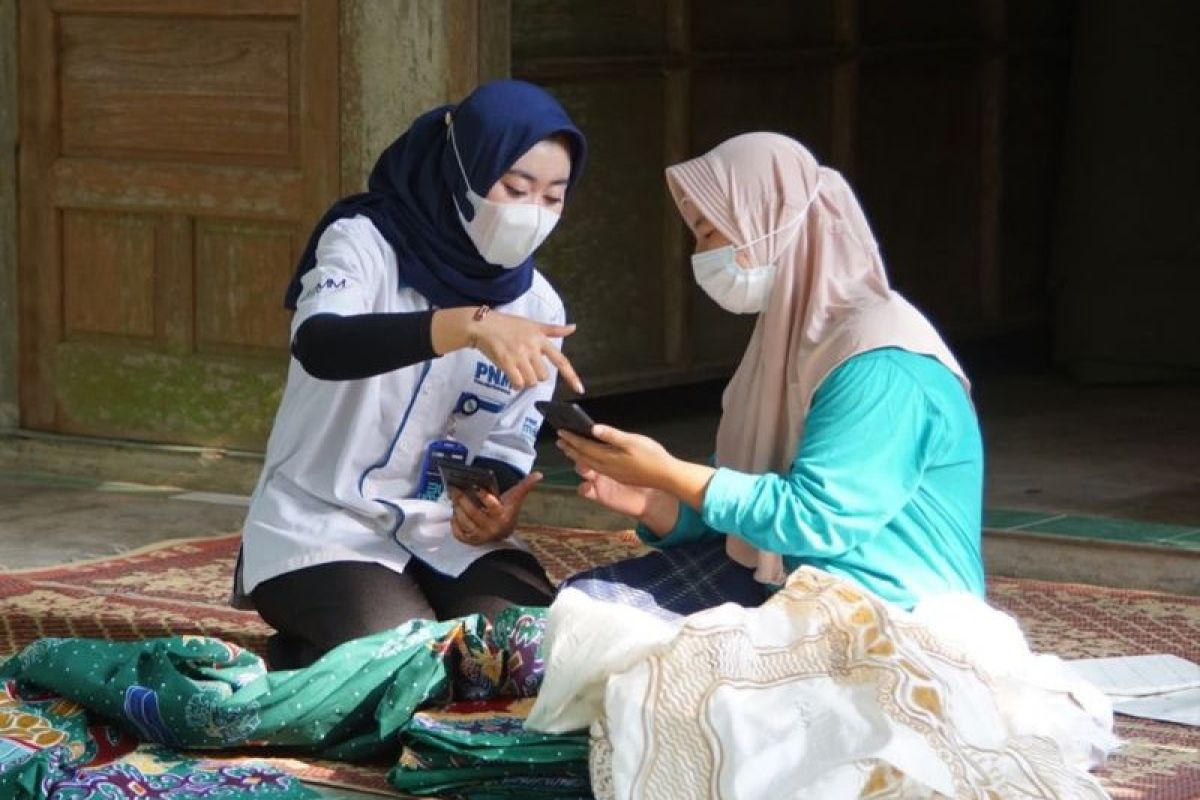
<point x="656" y="509"/>
<point x="518" y="346"/>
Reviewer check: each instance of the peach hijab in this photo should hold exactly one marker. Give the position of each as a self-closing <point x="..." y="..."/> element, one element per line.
<point x="830" y="299"/>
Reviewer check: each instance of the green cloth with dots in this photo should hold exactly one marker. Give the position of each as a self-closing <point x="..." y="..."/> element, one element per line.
<point x="360" y="701"/>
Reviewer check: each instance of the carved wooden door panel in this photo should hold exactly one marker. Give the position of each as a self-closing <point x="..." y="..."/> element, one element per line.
<point x="173" y="155"/>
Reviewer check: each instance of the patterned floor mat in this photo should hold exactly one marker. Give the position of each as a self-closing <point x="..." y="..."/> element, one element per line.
<point x="180" y="587"/>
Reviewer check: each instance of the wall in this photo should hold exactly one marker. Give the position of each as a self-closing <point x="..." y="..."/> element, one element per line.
<point x="399" y="59"/>
<point x="962" y="201"/>
<point x="944" y="116"/>
<point x="1128" y="257"/>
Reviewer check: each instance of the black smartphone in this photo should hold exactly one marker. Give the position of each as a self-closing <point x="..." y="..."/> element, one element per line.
<point x="566" y="417"/>
<point x="468" y="478"/>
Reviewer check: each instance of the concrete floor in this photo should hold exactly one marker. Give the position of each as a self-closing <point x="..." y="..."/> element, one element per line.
<point x="47" y="520"/>
<point x="1052" y="445"/>
<point x="1120" y="451"/>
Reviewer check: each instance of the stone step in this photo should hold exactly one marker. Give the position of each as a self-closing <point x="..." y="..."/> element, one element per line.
<point x="1099" y="562"/>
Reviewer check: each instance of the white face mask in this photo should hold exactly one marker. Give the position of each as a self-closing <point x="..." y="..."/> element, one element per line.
<point x="505" y="234"/>
<point x="738" y="289"/>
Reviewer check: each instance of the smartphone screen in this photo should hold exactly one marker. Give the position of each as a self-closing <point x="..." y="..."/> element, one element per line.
<point x="566" y="417"/>
<point x="468" y="478"/>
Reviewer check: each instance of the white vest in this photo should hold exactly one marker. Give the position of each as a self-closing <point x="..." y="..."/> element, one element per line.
<point x="344" y="458"/>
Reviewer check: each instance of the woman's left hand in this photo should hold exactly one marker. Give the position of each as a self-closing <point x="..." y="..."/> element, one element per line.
<point x="629" y="458"/>
<point x="490" y="518"/>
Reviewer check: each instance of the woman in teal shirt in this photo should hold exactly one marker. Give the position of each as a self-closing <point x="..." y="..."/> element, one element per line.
<point x="848" y="441"/>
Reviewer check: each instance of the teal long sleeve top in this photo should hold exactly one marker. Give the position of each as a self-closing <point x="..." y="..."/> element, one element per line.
<point x="886" y="487"/>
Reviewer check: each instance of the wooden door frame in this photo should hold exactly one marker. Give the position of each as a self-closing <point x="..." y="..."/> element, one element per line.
<point x="38" y="240"/>
<point x="9" y="286"/>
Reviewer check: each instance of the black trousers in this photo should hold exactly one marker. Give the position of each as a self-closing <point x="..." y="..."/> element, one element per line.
<point x="317" y="608"/>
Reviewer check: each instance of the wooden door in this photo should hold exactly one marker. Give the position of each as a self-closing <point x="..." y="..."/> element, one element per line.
<point x="173" y="155"/>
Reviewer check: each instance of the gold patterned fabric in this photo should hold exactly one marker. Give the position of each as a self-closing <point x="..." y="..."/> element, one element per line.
<point x="824" y="691"/>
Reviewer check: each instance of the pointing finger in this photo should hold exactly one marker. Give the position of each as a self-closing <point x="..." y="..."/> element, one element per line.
<point x="564" y="367"/>
<point x="557" y="331"/>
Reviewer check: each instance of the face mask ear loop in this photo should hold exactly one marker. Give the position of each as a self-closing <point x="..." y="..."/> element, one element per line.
<point x="457" y="157"/>
<point x="799" y="218"/>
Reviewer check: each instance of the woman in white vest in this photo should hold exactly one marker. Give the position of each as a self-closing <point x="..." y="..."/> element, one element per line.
<point x="422" y="333"/>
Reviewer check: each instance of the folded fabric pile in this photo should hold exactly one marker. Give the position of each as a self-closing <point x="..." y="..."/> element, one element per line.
<point x="482" y="750"/>
<point x="72" y="705"/>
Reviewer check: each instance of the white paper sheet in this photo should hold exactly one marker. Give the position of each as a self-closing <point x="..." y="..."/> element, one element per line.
<point x="1138" y="676"/>
<point x="1182" y="707"/>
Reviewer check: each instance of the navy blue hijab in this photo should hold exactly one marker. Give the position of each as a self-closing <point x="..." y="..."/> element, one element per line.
<point x="414" y="186"/>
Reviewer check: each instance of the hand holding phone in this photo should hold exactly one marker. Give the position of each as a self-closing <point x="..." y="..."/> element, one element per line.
<point x="469" y="479"/>
<point x="566" y="417"/>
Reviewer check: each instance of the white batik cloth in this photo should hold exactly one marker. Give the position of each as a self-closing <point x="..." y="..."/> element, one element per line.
<point x="824" y="692"/>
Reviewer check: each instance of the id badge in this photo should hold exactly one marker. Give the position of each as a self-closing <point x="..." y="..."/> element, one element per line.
<point x="438" y="451"/>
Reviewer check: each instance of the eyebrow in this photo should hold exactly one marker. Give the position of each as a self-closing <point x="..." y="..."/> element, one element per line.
<point x="686" y="203"/>
<point x="520" y="173"/>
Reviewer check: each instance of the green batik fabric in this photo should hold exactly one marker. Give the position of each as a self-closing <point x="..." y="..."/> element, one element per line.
<point x="48" y="749"/>
<point x="196" y="692"/>
<point x="481" y="750"/>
